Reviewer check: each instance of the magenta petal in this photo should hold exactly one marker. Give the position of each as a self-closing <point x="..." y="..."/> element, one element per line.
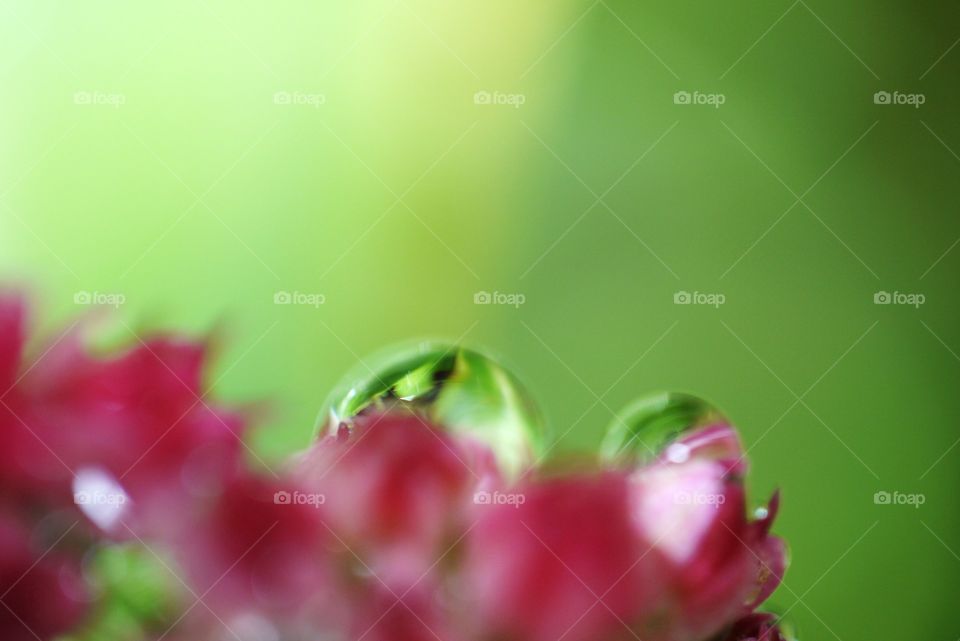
<point x="257" y="548"/>
<point x="43" y="593"/>
<point x="397" y="490"/>
<point x="759" y="626"/>
<point x="771" y="564"/>
<point x="11" y="339"/>
<point x="400" y="614"/>
<point x="769" y="513"/>
<point x="562" y="562"/>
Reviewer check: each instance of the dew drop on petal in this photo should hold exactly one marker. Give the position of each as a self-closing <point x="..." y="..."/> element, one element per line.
<point x="461" y="389"/>
<point x="651" y="425"/>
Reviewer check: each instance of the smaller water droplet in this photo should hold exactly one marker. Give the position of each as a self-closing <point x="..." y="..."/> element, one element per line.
<point x="649" y="427"/>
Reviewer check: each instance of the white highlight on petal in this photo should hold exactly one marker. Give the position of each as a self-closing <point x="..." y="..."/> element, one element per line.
<point x="678" y="453"/>
<point x="252" y="627"/>
<point x="100" y="497"/>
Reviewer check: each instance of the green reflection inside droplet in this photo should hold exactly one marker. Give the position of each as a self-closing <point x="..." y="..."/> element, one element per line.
<point x="648" y="425"/>
<point x="462" y="390"/>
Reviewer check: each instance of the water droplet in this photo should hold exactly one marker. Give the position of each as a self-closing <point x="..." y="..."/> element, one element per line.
<point x="459" y="389"/>
<point x="650" y="426"/>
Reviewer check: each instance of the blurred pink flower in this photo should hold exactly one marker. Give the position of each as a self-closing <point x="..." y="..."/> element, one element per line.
<point x="256" y="550"/>
<point x="41" y="591"/>
<point x="391" y="530"/>
<point x="561" y="563"/>
<point x="665" y="551"/>
<point x="117" y="443"/>
<point x="689" y="505"/>
<point x="137" y="417"/>
<point x="396" y="491"/>
<point x="414" y="613"/>
<point x="758" y="626"/>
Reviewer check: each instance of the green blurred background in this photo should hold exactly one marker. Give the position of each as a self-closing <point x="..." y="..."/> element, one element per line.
<point x="197" y="158"/>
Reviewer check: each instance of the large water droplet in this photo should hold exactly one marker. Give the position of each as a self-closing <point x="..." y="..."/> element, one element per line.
<point x="456" y="388"/>
<point x="649" y="427"/>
